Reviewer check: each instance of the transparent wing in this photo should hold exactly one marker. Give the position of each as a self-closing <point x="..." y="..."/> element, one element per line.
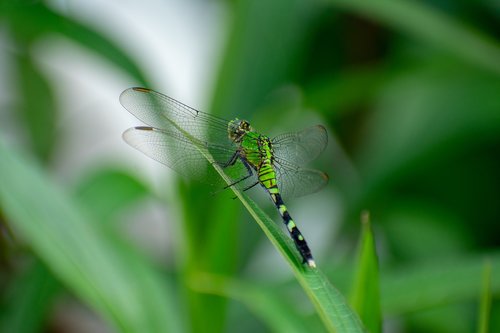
<point x="299" y="148"/>
<point x="177" y="152"/>
<point x="295" y="182"/>
<point x="165" y="113"/>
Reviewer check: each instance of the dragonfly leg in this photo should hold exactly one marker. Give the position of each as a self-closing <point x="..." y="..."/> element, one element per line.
<point x="231" y="161"/>
<point x="250" y="186"/>
<point x="247" y="188"/>
<point x="250" y="174"/>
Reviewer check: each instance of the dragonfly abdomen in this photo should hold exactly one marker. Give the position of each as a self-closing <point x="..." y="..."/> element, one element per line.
<point x="295" y="233"/>
<point x="267" y="177"/>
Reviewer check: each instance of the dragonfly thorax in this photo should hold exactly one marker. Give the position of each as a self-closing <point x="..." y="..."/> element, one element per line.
<point x="236" y="129"/>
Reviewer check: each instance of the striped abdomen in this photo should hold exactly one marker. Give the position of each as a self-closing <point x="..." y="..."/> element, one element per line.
<point x="267" y="178"/>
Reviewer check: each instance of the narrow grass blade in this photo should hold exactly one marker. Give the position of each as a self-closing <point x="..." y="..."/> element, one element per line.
<point x="485" y="299"/>
<point x="109" y="277"/>
<point x="330" y="304"/>
<point x="365" y="295"/>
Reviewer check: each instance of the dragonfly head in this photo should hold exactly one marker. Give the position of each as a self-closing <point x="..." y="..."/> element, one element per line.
<point x="237" y="128"/>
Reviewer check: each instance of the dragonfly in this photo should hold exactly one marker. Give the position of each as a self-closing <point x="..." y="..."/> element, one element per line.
<point x="191" y="141"/>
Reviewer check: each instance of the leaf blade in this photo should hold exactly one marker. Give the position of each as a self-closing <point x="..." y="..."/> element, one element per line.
<point x="365" y="295"/>
<point x="431" y="26"/>
<point x="111" y="278"/>
<point x="485" y="299"/>
<point x="330" y="304"/>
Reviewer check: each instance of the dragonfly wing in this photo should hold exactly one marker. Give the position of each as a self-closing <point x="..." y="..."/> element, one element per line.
<point x="295" y="182"/>
<point x="165" y="113"/>
<point x="182" y="155"/>
<point x="301" y="147"/>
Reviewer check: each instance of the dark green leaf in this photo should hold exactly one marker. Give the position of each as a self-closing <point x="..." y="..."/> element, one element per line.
<point x="29" y="301"/>
<point x="421" y="115"/>
<point x="345" y="91"/>
<point x="430" y="26"/>
<point x="266" y="38"/>
<point x="37" y="107"/>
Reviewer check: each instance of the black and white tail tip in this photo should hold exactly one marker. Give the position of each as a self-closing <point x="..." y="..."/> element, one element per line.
<point x="311" y="263"/>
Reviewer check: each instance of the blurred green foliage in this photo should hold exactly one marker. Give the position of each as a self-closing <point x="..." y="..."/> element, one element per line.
<point x="411" y="92"/>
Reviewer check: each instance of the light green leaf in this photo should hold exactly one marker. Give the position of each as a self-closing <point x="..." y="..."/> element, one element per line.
<point x="365" y="295"/>
<point x="485" y="300"/>
<point x="107" y="191"/>
<point x="33" y="20"/>
<point x="108" y="276"/>
<point x="410" y="289"/>
<point x="265" y="302"/>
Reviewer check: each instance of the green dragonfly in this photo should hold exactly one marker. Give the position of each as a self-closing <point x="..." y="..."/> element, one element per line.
<point x="182" y="138"/>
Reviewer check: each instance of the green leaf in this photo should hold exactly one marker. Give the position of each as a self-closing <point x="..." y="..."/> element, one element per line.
<point x="418" y="287"/>
<point x="109" y="277"/>
<point x="440" y="102"/>
<point x="485" y="299"/>
<point x="107" y="191"/>
<point x="29" y="300"/>
<point x="425" y="285"/>
<point x="330" y="304"/>
<point x="33" y="20"/>
<point x="365" y="295"/>
<point x="271" y="308"/>
<point x="210" y="247"/>
<point x="248" y="74"/>
<point x="334" y="95"/>
<point x="430" y="26"/>
<point x="37" y="107"/>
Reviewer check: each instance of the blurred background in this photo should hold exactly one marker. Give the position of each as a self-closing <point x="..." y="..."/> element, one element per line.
<point x="409" y="92"/>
